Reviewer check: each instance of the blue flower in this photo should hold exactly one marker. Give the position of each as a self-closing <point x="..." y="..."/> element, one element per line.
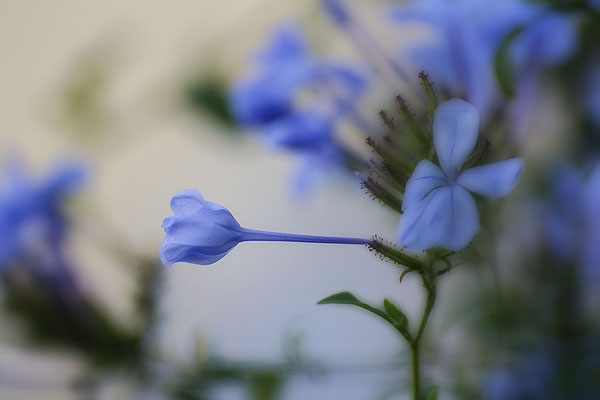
<point x="202" y="232"/>
<point x="592" y="92"/>
<point x="285" y="69"/>
<point x="31" y="216"/>
<point x="438" y="208"/>
<point x="282" y="67"/>
<point x="295" y="102"/>
<point x="572" y="220"/>
<point x="469" y="34"/>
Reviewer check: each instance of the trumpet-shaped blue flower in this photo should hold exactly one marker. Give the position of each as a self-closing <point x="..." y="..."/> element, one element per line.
<point x="203" y="232"/>
<point x="31" y="217"/>
<point x="438" y="208"/>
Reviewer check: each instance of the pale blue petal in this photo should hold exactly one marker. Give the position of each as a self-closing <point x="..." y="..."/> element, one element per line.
<point x="337" y="11"/>
<point x="493" y="180"/>
<point x="172" y="252"/>
<point x="187" y="202"/>
<point x="455" y="127"/>
<point x="425" y="178"/>
<point x="199" y="238"/>
<point x="447" y="218"/>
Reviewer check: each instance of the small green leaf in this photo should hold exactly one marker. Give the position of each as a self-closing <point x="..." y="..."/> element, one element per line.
<point x="432" y="393"/>
<point x="340" y="298"/>
<point x="503" y="66"/>
<point x="395" y="313"/>
<point x="349" y="298"/>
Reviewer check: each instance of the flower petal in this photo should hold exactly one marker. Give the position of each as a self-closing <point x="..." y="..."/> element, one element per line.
<point x="493" y="180"/>
<point x="455" y="127"/>
<point x="425" y="178"/>
<point x="187" y="202"/>
<point x="446" y="218"/>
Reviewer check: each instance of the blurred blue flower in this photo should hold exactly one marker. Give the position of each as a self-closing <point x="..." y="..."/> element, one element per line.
<point x="438" y="208"/>
<point x="202" y="232"/>
<point x="283" y="69"/>
<point x="295" y="100"/>
<point x="572" y="219"/>
<point x="469" y="34"/>
<point x="31" y="216"/>
<point x="564" y="213"/>
<point x="531" y="379"/>
<point x="336" y="10"/>
<point x="592" y="92"/>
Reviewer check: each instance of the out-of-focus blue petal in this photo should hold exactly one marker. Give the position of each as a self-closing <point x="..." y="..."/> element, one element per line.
<point x="549" y="40"/>
<point x="31" y="219"/>
<point x="591" y="89"/>
<point x="493" y="180"/>
<point x="306" y="130"/>
<point x="350" y="81"/>
<point x="287" y="45"/>
<point x="425" y="178"/>
<point x="65" y="179"/>
<point x="591" y="250"/>
<point x="259" y="101"/>
<point x="564" y="213"/>
<point x="337" y="11"/>
<point x="447" y="218"/>
<point x="455" y="130"/>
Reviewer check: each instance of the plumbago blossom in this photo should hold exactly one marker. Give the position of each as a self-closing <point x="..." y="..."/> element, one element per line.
<point x="438" y="208"/>
<point x="295" y="101"/>
<point x="469" y="35"/>
<point x="32" y="223"/>
<point x="202" y="232"/>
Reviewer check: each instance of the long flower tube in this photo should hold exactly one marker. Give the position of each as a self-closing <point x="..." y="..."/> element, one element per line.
<point x="202" y="232"/>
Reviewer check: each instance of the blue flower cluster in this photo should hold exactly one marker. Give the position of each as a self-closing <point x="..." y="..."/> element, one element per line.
<point x="469" y="34"/>
<point x="295" y="100"/>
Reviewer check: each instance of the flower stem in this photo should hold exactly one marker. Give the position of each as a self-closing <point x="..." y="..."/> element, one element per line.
<point x="429" y="284"/>
<point x="266" y="236"/>
<point x="414" y="349"/>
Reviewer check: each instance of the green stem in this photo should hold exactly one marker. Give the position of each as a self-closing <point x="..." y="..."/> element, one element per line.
<point x="414" y="349"/>
<point x="414" y="346"/>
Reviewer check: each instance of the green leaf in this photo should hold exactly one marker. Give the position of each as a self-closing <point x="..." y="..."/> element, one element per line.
<point x="505" y="73"/>
<point x="349" y="298"/>
<point x="395" y="313"/>
<point x="432" y="393"/>
<point x="340" y="298"/>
